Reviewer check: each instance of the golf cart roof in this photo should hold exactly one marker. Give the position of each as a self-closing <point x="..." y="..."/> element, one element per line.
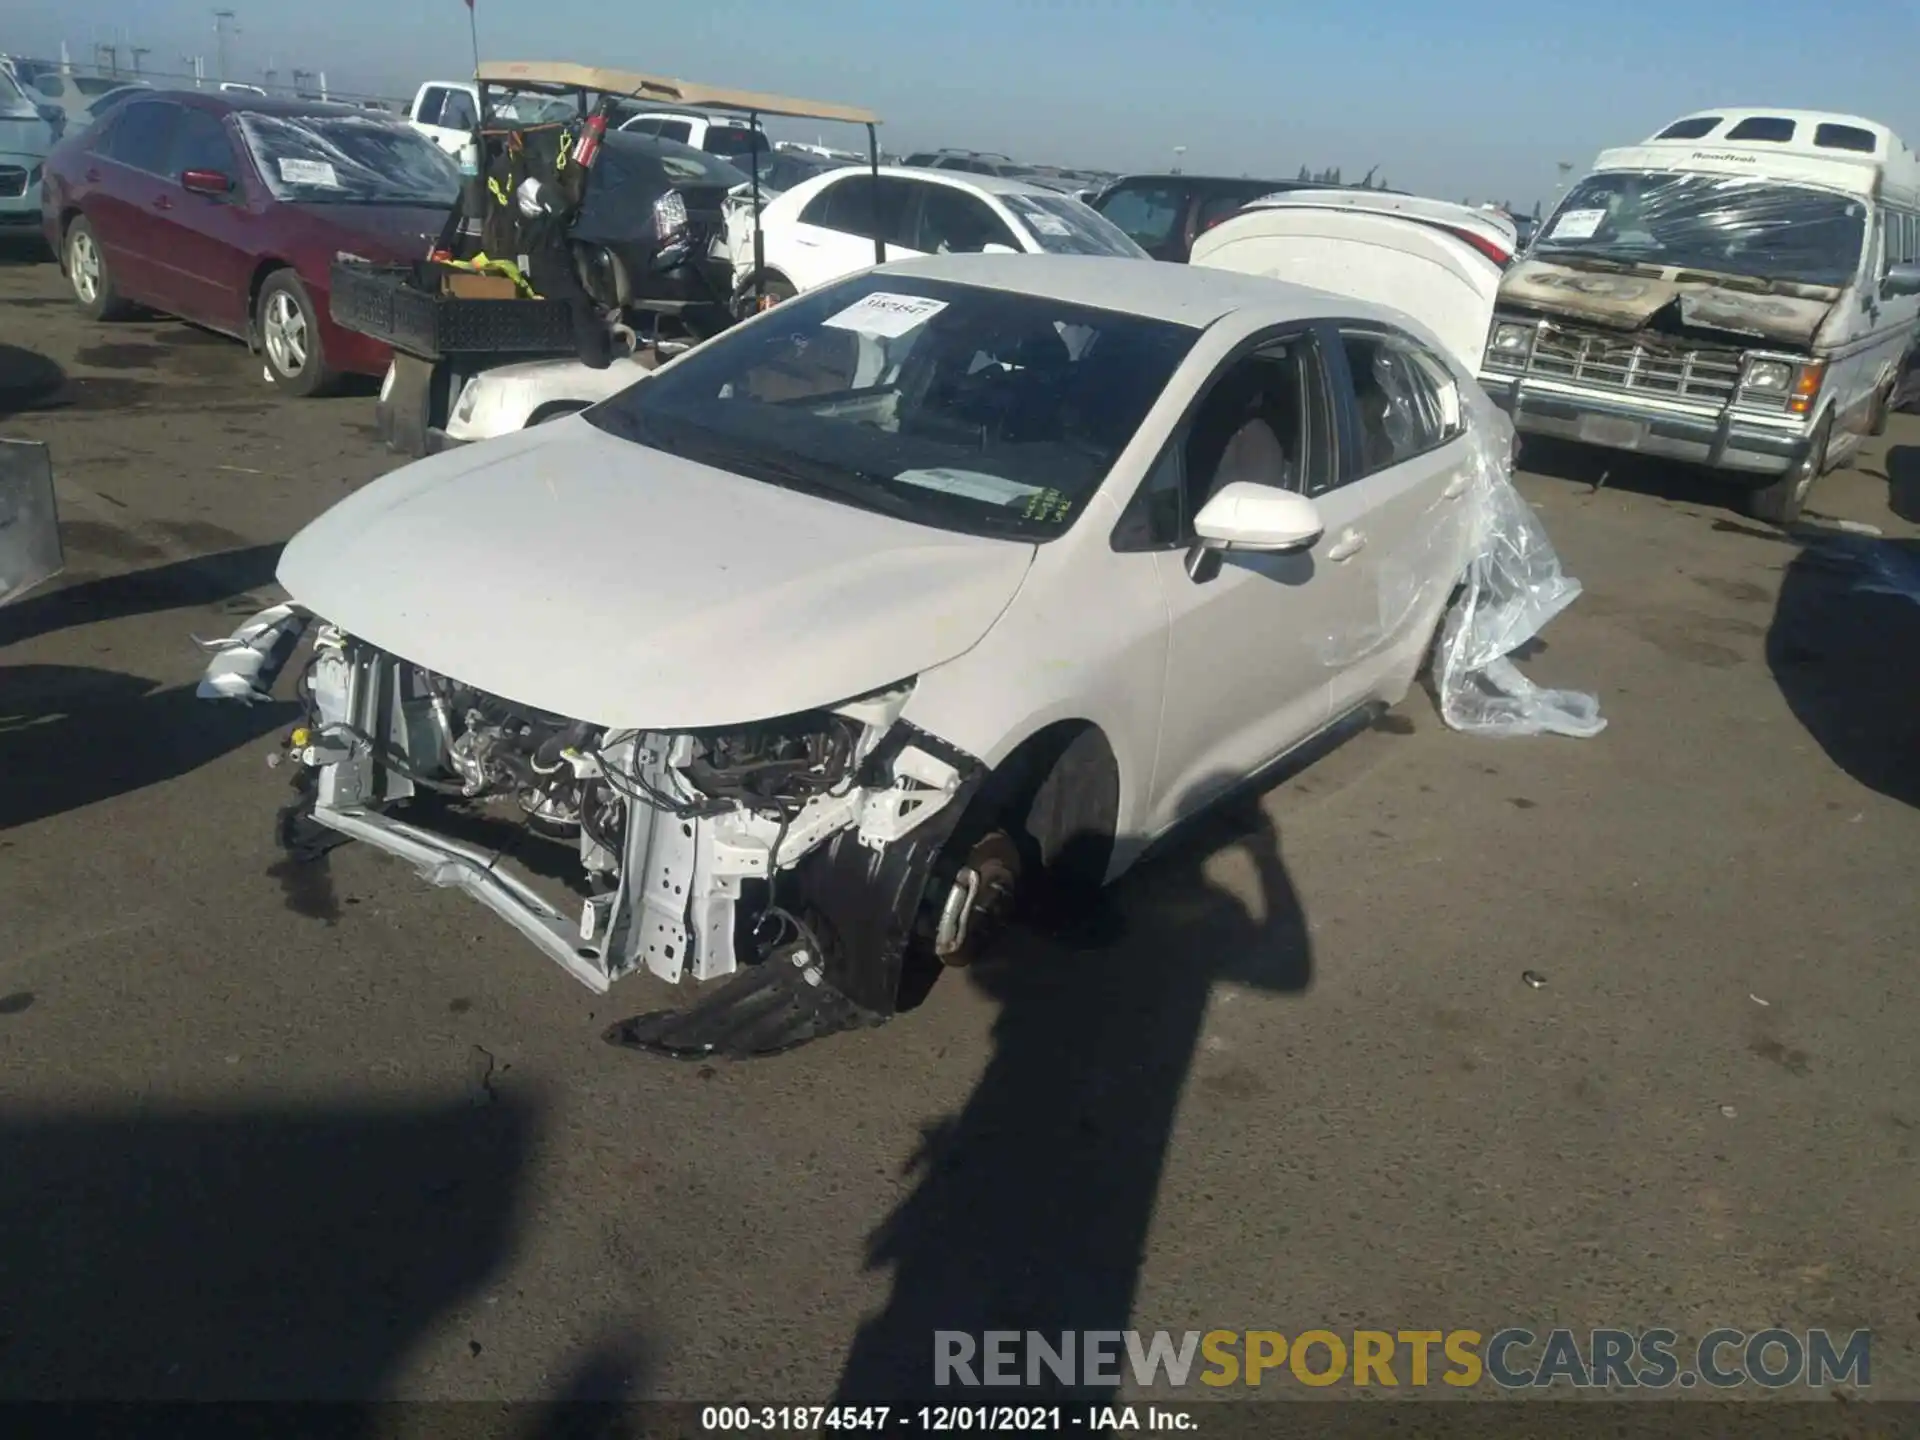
<point x="661" y="90"/>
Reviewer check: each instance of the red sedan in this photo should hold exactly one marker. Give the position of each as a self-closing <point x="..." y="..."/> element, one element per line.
<point x="229" y="210"/>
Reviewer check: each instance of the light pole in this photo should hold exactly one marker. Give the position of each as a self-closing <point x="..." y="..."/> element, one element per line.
<point x="1178" y="151"/>
<point x="222" y="23"/>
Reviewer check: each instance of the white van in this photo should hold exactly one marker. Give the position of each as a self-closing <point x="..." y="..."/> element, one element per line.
<point x="1739" y="291"/>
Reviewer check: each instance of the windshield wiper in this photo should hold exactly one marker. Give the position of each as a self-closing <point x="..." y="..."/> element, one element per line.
<point x="1588" y="257"/>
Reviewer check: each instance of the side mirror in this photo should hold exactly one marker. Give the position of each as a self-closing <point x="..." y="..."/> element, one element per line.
<point x="206" y="182"/>
<point x="1903" y="279"/>
<point x="994" y="247"/>
<point x="1246" y="516"/>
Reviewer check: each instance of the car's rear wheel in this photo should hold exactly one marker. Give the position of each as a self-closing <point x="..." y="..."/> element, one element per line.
<point x="289" y="329"/>
<point x="1780" y="503"/>
<point x="88" y="274"/>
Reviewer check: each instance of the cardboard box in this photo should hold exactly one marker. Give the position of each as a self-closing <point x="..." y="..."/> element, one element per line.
<point x="467" y="285"/>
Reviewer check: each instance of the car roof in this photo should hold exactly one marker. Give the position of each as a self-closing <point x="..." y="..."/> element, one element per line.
<point x="1168" y="177"/>
<point x="1191" y="295"/>
<point x="231" y="103"/>
<point x="967" y="180"/>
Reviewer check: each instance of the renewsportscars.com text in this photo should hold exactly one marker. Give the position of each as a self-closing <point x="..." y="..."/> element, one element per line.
<point x="1512" y="1358"/>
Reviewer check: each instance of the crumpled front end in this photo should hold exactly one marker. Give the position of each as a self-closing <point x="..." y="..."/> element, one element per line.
<point x="695" y="855"/>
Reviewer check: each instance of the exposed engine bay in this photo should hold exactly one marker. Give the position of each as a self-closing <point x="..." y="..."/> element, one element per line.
<point x="700" y="853"/>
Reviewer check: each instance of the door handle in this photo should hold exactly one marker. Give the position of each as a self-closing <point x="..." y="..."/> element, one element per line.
<point x="162" y="202"/>
<point x="1350" y="544"/>
<point x="93" y="177"/>
<point x="804" y="243"/>
<point x="1456" y="487"/>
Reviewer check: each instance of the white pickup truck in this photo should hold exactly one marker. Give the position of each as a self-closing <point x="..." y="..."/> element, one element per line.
<point x="446" y="111"/>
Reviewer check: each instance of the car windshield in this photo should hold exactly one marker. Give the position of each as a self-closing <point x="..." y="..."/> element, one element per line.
<point x="1733" y="224"/>
<point x="528" y="108"/>
<point x="685" y="164"/>
<point x="349" y="160"/>
<point x="956" y="406"/>
<point x="1067" y="226"/>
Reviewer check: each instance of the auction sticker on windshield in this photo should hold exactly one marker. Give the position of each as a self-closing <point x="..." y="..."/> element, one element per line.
<point x="884" y="315"/>
<point x="1577" y="225"/>
<point x="309" y="172"/>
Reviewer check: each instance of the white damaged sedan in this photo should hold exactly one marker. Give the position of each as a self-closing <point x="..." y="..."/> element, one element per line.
<point x="962" y="579"/>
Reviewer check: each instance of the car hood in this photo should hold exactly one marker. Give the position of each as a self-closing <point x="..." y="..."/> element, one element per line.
<point x="396" y="232"/>
<point x="1627" y="301"/>
<point x="25" y="136"/>
<point x="581" y="574"/>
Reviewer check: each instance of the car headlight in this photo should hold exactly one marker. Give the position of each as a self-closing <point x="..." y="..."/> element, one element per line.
<point x="469" y="398"/>
<point x="1795" y="383"/>
<point x="33" y="175"/>
<point x="1511" y="343"/>
<point x="1767" y="377"/>
<point x="669" y="216"/>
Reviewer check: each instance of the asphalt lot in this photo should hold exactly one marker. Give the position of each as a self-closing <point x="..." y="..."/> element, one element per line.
<point x="269" y="1132"/>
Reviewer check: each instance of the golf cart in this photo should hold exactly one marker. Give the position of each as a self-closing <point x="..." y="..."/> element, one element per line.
<point x="575" y="247"/>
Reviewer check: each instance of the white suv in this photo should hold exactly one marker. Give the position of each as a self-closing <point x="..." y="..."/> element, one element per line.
<point x="828" y="226"/>
<point x="723" y="135"/>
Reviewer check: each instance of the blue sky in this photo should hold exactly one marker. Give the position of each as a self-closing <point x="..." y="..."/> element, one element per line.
<point x="1472" y="98"/>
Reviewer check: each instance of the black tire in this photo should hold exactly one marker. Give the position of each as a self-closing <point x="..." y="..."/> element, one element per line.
<point x="293" y="352"/>
<point x="87" y="272"/>
<point x="558" y="410"/>
<point x="1781" y="502"/>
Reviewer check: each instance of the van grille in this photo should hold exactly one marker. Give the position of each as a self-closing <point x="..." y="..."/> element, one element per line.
<point x="13" y="182"/>
<point x="1613" y="362"/>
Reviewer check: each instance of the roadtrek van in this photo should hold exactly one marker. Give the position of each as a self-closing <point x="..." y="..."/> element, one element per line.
<point x="1740" y="291"/>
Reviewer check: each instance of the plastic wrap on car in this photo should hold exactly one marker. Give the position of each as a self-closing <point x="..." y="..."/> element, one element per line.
<point x="1513" y="587"/>
<point x="372" y="159"/>
<point x="1739" y="224"/>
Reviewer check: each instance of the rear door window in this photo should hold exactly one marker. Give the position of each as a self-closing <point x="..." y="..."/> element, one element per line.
<point x="857" y="204"/>
<point x="1149" y="215"/>
<point x="200" y="143"/>
<point x="142" y="136"/>
<point x="731" y="140"/>
<point x="680" y="130"/>
<point x="458" y="112"/>
<point x="432" y="100"/>
<point x="1216" y="209"/>
<point x="1405" y="398"/>
<point x="953" y="222"/>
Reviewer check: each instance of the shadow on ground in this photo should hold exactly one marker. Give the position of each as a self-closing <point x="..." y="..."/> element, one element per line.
<point x="244" y="1254"/>
<point x="1031" y="1207"/>
<point x="1903" y="482"/>
<point x="27" y="378"/>
<point x="72" y="736"/>
<point x="1844" y="656"/>
<point x="201" y="581"/>
<point x="1639" y="475"/>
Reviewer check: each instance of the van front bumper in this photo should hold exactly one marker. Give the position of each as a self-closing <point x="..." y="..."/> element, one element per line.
<point x="1755" y="444"/>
